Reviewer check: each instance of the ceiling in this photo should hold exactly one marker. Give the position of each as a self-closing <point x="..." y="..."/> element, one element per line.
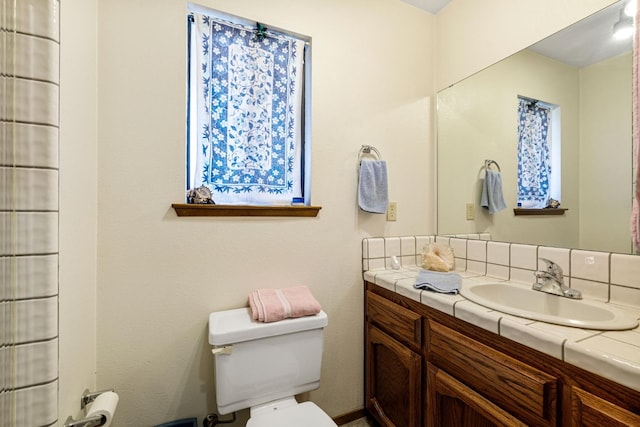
<point x="588" y="41"/>
<point x="432" y="6"/>
<point x="584" y="43"/>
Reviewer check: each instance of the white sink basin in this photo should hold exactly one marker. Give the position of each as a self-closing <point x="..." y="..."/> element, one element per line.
<point x="524" y="302"/>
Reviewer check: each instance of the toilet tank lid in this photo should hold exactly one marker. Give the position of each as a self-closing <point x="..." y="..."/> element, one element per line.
<point x="232" y="326"/>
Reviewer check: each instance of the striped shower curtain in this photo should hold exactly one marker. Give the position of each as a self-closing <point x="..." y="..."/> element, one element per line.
<point x="635" y="211"/>
<point x="29" y="85"/>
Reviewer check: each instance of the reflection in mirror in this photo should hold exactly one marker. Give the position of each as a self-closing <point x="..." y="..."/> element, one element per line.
<point x="587" y="75"/>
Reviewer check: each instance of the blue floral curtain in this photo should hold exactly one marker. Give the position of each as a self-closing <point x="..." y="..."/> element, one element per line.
<point x="534" y="165"/>
<point x="249" y="95"/>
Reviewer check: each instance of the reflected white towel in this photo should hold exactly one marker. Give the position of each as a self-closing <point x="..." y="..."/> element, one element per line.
<point x="492" y="198"/>
<point x="372" y="186"/>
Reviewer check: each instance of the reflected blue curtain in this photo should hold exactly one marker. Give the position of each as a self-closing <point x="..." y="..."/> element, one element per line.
<point x="534" y="165"/>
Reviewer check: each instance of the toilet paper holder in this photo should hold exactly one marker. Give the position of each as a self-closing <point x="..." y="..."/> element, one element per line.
<point x="89" y="396"/>
<point x="96" y="421"/>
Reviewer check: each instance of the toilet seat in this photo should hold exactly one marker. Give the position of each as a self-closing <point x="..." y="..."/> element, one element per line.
<point x="305" y="414"/>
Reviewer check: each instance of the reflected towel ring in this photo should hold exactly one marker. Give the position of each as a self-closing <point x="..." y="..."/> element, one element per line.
<point x="487" y="164"/>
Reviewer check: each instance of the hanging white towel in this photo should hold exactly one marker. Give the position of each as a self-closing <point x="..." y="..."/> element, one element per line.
<point x="372" y="186"/>
<point x="492" y="198"/>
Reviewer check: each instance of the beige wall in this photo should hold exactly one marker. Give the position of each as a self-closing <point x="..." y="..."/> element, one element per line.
<point x="605" y="160"/>
<point x="160" y="276"/>
<point x="78" y="203"/>
<point x="471" y="35"/>
<point x="477" y="120"/>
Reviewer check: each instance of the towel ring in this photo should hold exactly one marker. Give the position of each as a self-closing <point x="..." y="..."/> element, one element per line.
<point x="367" y="149"/>
<point x="487" y="164"/>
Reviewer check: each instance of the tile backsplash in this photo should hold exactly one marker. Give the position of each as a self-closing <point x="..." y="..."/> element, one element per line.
<point x="603" y="276"/>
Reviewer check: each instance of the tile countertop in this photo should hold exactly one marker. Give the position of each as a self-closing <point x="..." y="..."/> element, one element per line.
<point x="610" y="354"/>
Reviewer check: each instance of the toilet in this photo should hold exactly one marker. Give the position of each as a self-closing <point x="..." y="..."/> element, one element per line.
<point x="262" y="366"/>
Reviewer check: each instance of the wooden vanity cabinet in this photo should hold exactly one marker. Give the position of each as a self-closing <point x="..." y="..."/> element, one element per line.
<point x="393" y="363"/>
<point x="426" y="368"/>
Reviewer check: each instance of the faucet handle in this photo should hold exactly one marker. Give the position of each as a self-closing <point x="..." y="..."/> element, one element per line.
<point x="552" y="268"/>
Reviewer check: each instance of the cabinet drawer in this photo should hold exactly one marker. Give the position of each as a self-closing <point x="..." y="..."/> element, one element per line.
<point x="522" y="390"/>
<point x="589" y="410"/>
<point x="397" y="321"/>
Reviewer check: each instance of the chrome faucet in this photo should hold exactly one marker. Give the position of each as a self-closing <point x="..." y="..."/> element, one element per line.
<point x="553" y="281"/>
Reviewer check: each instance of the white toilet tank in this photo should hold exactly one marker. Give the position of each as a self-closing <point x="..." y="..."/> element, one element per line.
<point x="264" y="361"/>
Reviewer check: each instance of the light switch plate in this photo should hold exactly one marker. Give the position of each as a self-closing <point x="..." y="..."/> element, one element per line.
<point x="392" y="211"/>
<point x="470" y="211"/>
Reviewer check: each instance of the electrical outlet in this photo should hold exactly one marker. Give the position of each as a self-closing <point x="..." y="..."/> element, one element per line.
<point x="470" y="211"/>
<point x="392" y="211"/>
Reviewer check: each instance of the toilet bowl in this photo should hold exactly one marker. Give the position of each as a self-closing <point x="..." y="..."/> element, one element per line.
<point x="262" y="366"/>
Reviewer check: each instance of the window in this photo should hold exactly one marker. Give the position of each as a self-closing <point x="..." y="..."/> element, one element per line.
<point x="248" y="127"/>
<point x="538" y="153"/>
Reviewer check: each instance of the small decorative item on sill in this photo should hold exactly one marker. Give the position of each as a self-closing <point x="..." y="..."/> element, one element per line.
<point x="200" y="196"/>
<point x="553" y="204"/>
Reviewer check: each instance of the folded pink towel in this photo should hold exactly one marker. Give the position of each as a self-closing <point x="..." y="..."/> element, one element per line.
<point x="271" y="305"/>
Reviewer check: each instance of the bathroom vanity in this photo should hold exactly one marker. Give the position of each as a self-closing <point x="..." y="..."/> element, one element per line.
<point x="424" y="367"/>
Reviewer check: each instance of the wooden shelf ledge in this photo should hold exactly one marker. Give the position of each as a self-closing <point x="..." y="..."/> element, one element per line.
<point x="183" y="209"/>
<point x="547" y="211"/>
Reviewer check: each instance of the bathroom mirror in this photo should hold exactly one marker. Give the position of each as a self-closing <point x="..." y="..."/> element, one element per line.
<point x="477" y="121"/>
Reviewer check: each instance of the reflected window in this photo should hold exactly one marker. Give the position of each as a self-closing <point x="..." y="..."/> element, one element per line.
<point x="538" y="153"/>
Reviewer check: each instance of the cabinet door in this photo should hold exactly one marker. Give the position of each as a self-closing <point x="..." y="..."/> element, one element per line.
<point x="589" y="410"/>
<point x="393" y="386"/>
<point x="451" y="403"/>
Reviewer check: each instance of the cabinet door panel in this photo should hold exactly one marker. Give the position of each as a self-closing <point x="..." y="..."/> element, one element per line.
<point x="588" y="410"/>
<point x="393" y="388"/>
<point x="453" y="404"/>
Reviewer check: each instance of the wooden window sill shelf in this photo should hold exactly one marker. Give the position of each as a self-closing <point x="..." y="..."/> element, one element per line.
<point x="550" y="211"/>
<point x="183" y="209"/>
